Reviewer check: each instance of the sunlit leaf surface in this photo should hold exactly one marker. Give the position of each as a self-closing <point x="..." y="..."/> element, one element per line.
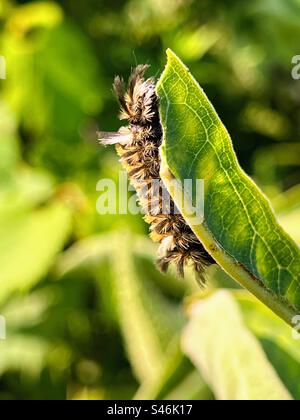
<point x="239" y="230"/>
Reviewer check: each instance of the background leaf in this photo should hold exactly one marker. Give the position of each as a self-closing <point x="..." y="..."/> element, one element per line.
<point x="149" y="321"/>
<point x="31" y="242"/>
<point x="227" y="354"/>
<point x="277" y="339"/>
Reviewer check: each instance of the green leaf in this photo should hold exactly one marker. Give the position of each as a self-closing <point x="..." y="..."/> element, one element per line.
<point x="148" y="321"/>
<point x="173" y="371"/>
<point x="266" y="325"/>
<point x="23" y="353"/>
<point x="290" y="222"/>
<point x="25" y="190"/>
<point x="277" y="339"/>
<point x="191" y="388"/>
<point x="227" y="355"/>
<point x="28" y="245"/>
<point x="287" y="200"/>
<point x="239" y="229"/>
<point x="177" y="379"/>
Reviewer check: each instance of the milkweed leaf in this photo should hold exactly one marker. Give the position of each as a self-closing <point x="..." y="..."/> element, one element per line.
<point x="239" y="229"/>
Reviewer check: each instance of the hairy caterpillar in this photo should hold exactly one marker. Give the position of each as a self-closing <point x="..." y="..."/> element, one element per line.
<point x="138" y="147"/>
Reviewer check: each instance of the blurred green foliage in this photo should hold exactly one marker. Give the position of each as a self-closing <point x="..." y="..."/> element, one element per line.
<point x="88" y="315"/>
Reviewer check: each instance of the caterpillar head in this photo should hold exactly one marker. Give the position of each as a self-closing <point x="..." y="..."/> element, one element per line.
<point x="139" y="106"/>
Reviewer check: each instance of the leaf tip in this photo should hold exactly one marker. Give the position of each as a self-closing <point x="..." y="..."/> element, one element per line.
<point x="174" y="60"/>
<point x="171" y="55"/>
